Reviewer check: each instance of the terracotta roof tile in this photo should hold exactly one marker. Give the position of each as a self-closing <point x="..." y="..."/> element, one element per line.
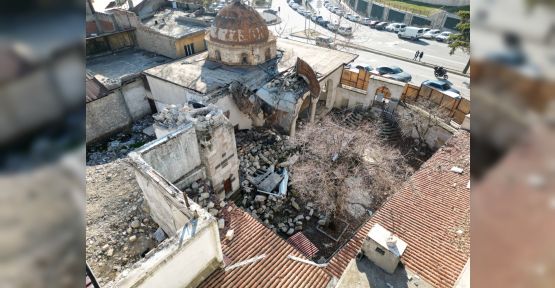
<point x="303" y="244"/>
<point x="252" y="239"/>
<point x="427" y="213"/>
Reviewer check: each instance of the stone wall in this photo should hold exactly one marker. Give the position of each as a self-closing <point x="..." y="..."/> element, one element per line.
<point x="234" y="54"/>
<point x="116" y="111"/>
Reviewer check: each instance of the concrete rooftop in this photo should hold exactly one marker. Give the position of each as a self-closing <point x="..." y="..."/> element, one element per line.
<point x="174" y="23"/>
<point x="198" y="74"/>
<point x="110" y="69"/>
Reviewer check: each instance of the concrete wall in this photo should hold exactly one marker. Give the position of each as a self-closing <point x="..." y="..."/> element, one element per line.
<point x="177" y="267"/>
<point x="165" y="93"/>
<point x="116" y="111"/>
<point x="436" y="136"/>
<point x="236" y="117"/>
<point x="352" y="97"/>
<point x="455" y="3"/>
<point x="197" y="40"/>
<point x="175" y="156"/>
<point x="388" y="261"/>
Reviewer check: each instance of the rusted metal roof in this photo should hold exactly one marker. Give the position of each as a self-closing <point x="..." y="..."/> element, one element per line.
<point x="303" y="244"/>
<point x="431" y="213"/>
<point x="306" y="71"/>
<point x="239" y="24"/>
<point x="251" y="239"/>
<point x="94" y="89"/>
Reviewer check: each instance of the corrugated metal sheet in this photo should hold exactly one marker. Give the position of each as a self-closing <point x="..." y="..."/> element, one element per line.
<point x="426" y="213"/>
<point x="252" y="239"/>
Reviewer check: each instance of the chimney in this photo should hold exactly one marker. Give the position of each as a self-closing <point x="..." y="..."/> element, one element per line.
<point x="383" y="248"/>
<point x="130" y="4"/>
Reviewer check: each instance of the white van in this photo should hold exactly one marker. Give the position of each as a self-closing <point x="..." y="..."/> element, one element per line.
<point x="395" y="27"/>
<point x="412" y="33"/>
<point x="325" y="41"/>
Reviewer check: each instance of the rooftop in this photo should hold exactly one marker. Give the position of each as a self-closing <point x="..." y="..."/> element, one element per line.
<point x="272" y="265"/>
<point x="431" y="213"/>
<point x="198" y="74"/>
<point x="110" y="70"/>
<point x="175" y="23"/>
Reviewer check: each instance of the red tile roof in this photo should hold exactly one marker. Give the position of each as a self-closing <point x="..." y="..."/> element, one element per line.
<point x="513" y="211"/>
<point x="426" y="213"/>
<point x="303" y="244"/>
<point x="252" y="239"/>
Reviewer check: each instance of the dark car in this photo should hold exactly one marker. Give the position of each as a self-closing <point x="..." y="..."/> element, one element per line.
<point x="323" y="23"/>
<point x="373" y="23"/>
<point x="442" y="86"/>
<point x="381" y="25"/>
<point x="393" y="72"/>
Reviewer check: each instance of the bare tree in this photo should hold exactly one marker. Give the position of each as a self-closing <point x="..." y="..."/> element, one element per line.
<point x="420" y="118"/>
<point x="331" y="154"/>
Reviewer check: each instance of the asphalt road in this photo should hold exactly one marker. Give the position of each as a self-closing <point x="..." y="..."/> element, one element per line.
<point x="380" y="40"/>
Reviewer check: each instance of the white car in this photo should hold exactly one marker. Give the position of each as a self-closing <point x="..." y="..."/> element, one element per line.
<point x="395" y="27"/>
<point x="431" y="34"/>
<point x="443" y="36"/>
<point x="345" y="31"/>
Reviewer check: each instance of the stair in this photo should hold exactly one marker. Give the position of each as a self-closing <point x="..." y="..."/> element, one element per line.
<point x="390" y="128"/>
<point x="354" y="119"/>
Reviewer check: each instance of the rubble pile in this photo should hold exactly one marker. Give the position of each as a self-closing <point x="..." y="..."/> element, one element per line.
<point x="121" y="144"/>
<point x="201" y="193"/>
<point x="259" y="150"/>
<point x="174" y="116"/>
<point x="288" y="82"/>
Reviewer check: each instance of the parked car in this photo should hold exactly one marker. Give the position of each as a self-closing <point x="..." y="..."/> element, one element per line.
<point x="443" y="36"/>
<point x="412" y="33"/>
<point x="395" y="27"/>
<point x="332" y="27"/>
<point x="431" y="34"/>
<point x="373" y="23"/>
<point x="364" y="66"/>
<point x="381" y="25"/>
<point x="354" y="18"/>
<point x="365" y="21"/>
<point x="325" y="41"/>
<point x="339" y="12"/>
<point x="426" y="30"/>
<point x="443" y="86"/>
<point x="393" y="72"/>
<point x="345" y="30"/>
<point x="316" y="18"/>
<point x="323" y="23"/>
<point x="307" y="14"/>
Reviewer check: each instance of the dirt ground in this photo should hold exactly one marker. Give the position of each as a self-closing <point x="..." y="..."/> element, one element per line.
<point x="115" y="214"/>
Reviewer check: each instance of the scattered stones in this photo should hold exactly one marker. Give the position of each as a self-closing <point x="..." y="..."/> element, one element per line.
<point x="110" y="252"/>
<point x="133" y="238"/>
<point x="260" y="198"/>
<point x="295" y="205"/>
<point x="135" y="224"/>
<point x="290" y="231"/>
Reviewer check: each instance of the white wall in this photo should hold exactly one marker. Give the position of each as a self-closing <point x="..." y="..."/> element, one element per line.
<point x="176" y="267"/>
<point x="352" y="97"/>
<point x="175" y="156"/>
<point x="135" y="98"/>
<point x="236" y="117"/>
<point x="169" y="93"/>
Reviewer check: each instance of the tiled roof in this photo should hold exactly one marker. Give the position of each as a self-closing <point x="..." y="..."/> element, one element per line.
<point x="303" y="244"/>
<point x="427" y="213"/>
<point x="513" y="211"/>
<point x="252" y="239"/>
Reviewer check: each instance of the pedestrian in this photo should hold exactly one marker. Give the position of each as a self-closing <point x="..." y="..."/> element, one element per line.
<point x="421" y="54"/>
<point x="416" y="55"/>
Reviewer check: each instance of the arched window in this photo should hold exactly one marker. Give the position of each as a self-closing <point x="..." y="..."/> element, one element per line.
<point x="244" y="59"/>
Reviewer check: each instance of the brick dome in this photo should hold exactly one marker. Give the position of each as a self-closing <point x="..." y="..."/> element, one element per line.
<point x="239" y="24"/>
